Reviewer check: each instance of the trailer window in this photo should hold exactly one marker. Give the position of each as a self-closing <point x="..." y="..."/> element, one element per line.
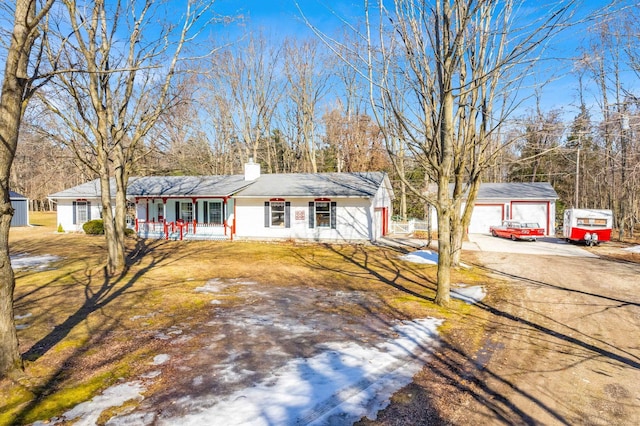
<point x="591" y="221"/>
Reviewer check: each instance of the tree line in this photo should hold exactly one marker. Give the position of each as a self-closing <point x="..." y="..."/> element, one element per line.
<point x="293" y="107"/>
<point x="429" y="91"/>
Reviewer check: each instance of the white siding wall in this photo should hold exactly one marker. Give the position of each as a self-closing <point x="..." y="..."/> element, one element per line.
<point x="353" y="221"/>
<point x="65" y="214"/>
<point x="380" y="201"/>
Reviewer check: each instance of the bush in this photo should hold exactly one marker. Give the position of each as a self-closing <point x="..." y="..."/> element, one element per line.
<point x="94" y="227"/>
<point x="128" y="232"/>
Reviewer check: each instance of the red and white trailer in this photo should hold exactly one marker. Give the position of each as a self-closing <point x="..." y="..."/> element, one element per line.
<point x="590" y="226"/>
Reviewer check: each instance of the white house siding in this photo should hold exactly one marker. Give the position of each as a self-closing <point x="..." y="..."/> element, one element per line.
<point x="353" y="221"/>
<point x="66" y="215"/>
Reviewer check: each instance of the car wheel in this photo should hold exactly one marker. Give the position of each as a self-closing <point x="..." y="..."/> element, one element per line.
<point x="513" y="237"/>
<point x="494" y="233"/>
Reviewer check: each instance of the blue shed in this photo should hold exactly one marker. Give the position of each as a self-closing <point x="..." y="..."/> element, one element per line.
<point x="20" y="205"/>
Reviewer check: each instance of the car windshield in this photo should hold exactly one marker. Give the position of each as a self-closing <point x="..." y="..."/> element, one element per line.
<point x="530" y="225"/>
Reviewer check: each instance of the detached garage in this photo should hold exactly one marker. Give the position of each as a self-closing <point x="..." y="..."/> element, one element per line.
<point x="527" y="202"/>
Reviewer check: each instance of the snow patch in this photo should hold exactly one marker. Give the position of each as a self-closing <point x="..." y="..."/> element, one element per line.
<point x="88" y="412"/>
<point x="20" y="317"/>
<point x="634" y="249"/>
<point x="426" y="257"/>
<point x="151" y="374"/>
<point x="471" y="295"/>
<point x="216" y="285"/>
<point x="26" y="262"/>
<point x="160" y="359"/>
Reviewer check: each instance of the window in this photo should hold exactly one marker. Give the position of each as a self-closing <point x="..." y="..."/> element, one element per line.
<point x="160" y="212"/>
<point x="186" y="212"/>
<point x="214" y="215"/>
<point x="323" y="214"/>
<point x="81" y="212"/>
<point x="277" y="213"/>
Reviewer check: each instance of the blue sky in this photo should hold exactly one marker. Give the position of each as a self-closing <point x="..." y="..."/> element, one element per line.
<point x="281" y="18"/>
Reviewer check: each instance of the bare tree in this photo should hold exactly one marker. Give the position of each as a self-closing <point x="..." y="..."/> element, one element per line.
<point x="443" y="76"/>
<point x="612" y="52"/>
<point x="307" y="86"/>
<point x="17" y="89"/>
<point x="118" y="88"/>
<point x="246" y="82"/>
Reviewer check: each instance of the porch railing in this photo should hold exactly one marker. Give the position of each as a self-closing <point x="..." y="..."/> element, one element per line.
<point x="181" y="230"/>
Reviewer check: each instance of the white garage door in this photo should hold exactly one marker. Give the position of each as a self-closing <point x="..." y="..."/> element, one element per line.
<point x="531" y="212"/>
<point x="484" y="216"/>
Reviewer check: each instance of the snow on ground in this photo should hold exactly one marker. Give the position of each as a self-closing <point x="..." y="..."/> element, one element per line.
<point x="87" y="413"/>
<point x="427" y="257"/>
<point x="346" y="380"/>
<point x="469" y="294"/>
<point x="634" y="249"/>
<point x="337" y="386"/>
<point x="24" y="261"/>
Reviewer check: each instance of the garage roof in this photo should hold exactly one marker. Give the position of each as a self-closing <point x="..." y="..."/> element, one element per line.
<point x="521" y="191"/>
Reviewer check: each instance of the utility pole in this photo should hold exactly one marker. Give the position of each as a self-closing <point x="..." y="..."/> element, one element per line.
<point x="575" y="203"/>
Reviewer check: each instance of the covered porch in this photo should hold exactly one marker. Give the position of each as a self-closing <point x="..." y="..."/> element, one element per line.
<point x="185" y="218"/>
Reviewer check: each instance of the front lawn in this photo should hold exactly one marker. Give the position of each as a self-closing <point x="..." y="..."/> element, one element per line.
<point x="81" y="332"/>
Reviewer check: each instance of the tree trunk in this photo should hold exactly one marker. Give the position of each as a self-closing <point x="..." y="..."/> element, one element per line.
<point x="444" y="198"/>
<point x="11" y="110"/>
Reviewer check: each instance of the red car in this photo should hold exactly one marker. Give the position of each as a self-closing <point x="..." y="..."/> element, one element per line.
<point x="517" y="230"/>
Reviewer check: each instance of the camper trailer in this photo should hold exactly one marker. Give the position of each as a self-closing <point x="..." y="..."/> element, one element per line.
<point x="590" y="226"/>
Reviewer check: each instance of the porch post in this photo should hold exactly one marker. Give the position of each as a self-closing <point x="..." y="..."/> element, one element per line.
<point x="224" y="215"/>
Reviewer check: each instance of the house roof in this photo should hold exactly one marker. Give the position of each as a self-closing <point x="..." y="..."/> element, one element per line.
<point x="315" y="185"/>
<point x="174" y="186"/>
<point x="267" y="185"/>
<point x="520" y="191"/>
<point x="89" y="189"/>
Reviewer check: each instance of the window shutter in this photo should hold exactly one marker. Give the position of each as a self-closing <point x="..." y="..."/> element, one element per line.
<point x="333" y="215"/>
<point x="311" y="214"/>
<point x="75" y="207"/>
<point x="177" y="210"/>
<point x="88" y="210"/>
<point x="205" y="207"/>
<point x="195" y="211"/>
<point x="267" y="222"/>
<point x="287" y="214"/>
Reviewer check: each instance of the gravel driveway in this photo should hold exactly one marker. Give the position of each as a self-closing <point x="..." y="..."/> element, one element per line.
<point x="566" y="347"/>
<point x="543" y="246"/>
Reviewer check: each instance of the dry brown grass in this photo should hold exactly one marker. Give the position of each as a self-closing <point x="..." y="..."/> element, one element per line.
<point x="81" y="337"/>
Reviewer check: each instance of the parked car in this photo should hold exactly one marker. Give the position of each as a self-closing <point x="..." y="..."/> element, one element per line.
<point x="517" y="230"/>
